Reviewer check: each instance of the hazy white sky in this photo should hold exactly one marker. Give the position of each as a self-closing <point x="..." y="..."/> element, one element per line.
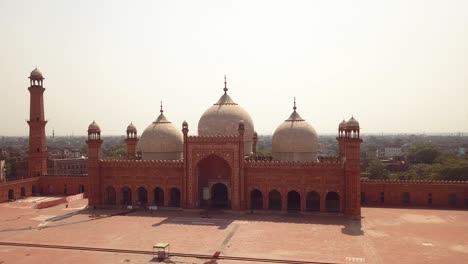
<point x="398" y="66"/>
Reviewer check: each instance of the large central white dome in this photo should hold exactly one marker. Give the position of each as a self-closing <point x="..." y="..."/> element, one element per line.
<point x="222" y="119"/>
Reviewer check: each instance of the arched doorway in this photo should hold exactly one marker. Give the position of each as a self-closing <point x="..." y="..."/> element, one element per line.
<point x="294" y="201"/>
<point x="453" y="200"/>
<point x="406" y="198"/>
<point x="142" y="196"/>
<point x="313" y="202"/>
<point x="81" y="188"/>
<point x="23" y="192"/>
<point x="274" y="200"/>
<point x="175" y="198"/>
<point x="110" y="196"/>
<point x="33" y="190"/>
<point x="126" y="196"/>
<point x="333" y="202"/>
<point x="11" y="195"/>
<point x="219" y="196"/>
<point x="214" y="178"/>
<point x="158" y="196"/>
<point x="256" y="200"/>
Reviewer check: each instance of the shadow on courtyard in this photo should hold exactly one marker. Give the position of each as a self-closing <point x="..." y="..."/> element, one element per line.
<point x="222" y="220"/>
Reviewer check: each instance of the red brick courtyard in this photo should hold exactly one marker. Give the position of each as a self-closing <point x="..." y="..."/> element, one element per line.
<point x="79" y="235"/>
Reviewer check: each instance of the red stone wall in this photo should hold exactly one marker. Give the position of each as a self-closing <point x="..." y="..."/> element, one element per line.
<point x="16" y="186"/>
<point x="393" y="193"/>
<point x="55" y="185"/>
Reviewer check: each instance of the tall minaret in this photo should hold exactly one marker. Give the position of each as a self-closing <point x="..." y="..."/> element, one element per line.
<point x="37" y="123"/>
<point x="94" y="156"/>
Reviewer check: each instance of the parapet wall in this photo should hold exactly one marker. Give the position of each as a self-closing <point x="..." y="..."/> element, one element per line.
<point x="293" y="164"/>
<point x="56" y="202"/>
<point x="142" y="163"/>
<point x="414" y="193"/>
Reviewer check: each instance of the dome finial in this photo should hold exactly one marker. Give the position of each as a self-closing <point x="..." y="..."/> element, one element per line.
<point x="225" y="84"/>
<point x="294" y="108"/>
<point x="161" y="110"/>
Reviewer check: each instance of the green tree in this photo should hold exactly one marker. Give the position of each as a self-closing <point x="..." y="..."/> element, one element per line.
<point x="377" y="170"/>
<point x="263" y="152"/>
<point x="116" y="152"/>
<point x="453" y="169"/>
<point x="426" y="154"/>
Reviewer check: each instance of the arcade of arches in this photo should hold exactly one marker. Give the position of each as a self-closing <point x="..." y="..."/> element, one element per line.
<point x="141" y="196"/>
<point x="295" y="201"/>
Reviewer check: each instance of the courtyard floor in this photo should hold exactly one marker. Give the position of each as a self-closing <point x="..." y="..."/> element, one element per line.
<point x="80" y="235"/>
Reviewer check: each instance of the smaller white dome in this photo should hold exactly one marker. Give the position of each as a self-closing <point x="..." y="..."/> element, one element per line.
<point x="352" y="123"/>
<point x="36" y="74"/>
<point x="94" y="126"/>
<point x="295" y="140"/>
<point x="131" y="128"/>
<point x="161" y="140"/>
<point x="342" y="124"/>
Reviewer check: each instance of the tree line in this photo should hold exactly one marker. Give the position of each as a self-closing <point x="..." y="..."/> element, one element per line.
<point x="426" y="162"/>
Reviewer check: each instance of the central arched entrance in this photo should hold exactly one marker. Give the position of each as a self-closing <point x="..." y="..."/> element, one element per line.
<point x="219" y="196"/>
<point x="214" y="182"/>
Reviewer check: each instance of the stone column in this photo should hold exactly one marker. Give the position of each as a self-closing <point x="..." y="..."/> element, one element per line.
<point x="323" y="202"/>
<point x="150" y="196"/>
<point x="303" y="201"/>
<point x="167" y="197"/>
<point x="284" y="202"/>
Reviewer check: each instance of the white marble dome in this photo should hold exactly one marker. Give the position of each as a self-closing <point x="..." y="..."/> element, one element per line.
<point x="222" y="119"/>
<point x="295" y="140"/>
<point x="161" y="140"/>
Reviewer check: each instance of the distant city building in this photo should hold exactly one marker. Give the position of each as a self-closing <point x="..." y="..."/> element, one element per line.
<point x="390" y="152"/>
<point x="461" y="151"/>
<point x="67" y="166"/>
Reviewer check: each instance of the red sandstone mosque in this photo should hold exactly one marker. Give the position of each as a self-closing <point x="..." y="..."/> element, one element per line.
<point x="218" y="167"/>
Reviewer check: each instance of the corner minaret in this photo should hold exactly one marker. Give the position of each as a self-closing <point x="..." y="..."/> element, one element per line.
<point x="37" y="123"/>
<point x="132" y="141"/>
<point x="349" y="142"/>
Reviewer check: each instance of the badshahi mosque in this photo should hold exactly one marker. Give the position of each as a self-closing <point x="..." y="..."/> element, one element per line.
<point x="215" y="167"/>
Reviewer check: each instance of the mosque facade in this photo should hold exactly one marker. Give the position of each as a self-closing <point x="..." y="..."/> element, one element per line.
<point x="217" y="167"/>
